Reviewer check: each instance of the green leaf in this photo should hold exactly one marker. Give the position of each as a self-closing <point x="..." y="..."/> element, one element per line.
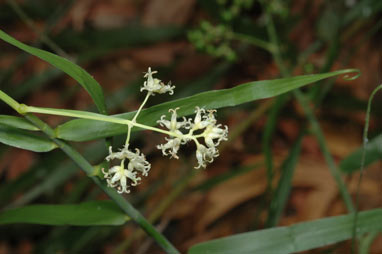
<point x="84" y="130"/>
<point x="295" y="238"/>
<point x="17" y="122"/>
<point x="25" y="140"/>
<point x="73" y="70"/>
<point x="373" y="153"/>
<point x="84" y="214"/>
<point x="284" y="185"/>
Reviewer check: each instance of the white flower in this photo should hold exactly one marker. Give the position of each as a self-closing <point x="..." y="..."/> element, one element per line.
<point x="117" y="176"/>
<point x="123" y="154"/>
<point x="215" y="132"/>
<point x="172" y="145"/>
<point x="139" y="162"/>
<point x="202" y="120"/>
<point x="204" y="154"/>
<point x="154" y="85"/>
<point x="173" y="125"/>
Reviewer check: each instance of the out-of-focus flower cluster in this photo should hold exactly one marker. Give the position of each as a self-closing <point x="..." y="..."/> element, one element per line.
<point x="180" y="130"/>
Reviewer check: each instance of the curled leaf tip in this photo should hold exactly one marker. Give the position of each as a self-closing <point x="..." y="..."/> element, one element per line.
<point x="352" y="74"/>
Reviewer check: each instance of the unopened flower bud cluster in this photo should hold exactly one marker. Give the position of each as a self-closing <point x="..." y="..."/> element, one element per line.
<point x="203" y="128"/>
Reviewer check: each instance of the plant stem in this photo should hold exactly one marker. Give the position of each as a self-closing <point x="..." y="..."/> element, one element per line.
<point x="254" y="41"/>
<point x="135" y="118"/>
<point x="29" y="22"/>
<point x="159" y="210"/>
<point x="92" y="116"/>
<point x="310" y="115"/>
<point x="321" y="141"/>
<point x="10" y="101"/>
<point x="117" y="198"/>
<point x="364" y="141"/>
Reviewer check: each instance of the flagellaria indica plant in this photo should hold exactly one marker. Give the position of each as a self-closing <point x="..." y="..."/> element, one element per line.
<point x="203" y="130"/>
<point x="129" y="164"/>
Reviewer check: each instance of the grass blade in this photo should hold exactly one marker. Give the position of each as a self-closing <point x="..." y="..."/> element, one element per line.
<point x="17" y="122"/>
<point x="373" y="153"/>
<point x="295" y="238"/>
<point x="73" y="70"/>
<point x="25" y="139"/>
<point x="85" y="214"/>
<point x="283" y="188"/>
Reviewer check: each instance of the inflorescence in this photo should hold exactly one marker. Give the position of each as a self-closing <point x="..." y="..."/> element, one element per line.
<point x="203" y="127"/>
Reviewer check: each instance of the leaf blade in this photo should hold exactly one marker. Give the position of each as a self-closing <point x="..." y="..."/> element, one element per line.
<point x="84" y="214"/>
<point x="294" y="238"/>
<point x="86" y="130"/>
<point x="73" y="70"/>
<point x="373" y="153"/>
<point x="17" y="122"/>
<point x="25" y="140"/>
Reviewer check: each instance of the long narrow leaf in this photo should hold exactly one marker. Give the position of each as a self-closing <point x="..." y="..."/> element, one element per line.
<point x="17" y="122"/>
<point x="284" y="185"/>
<point x="73" y="70"/>
<point x="84" y="214"/>
<point x="83" y="130"/>
<point x="295" y="238"/>
<point x="25" y="139"/>
<point x="373" y="153"/>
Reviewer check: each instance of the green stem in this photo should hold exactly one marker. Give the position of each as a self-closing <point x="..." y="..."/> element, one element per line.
<point x="91" y="116"/>
<point x="254" y="41"/>
<point x="10" y="101"/>
<point x="135" y="117"/>
<point x="159" y="210"/>
<point x="141" y="107"/>
<point x="29" y="22"/>
<point x="310" y="115"/>
<point x="117" y="198"/>
<point x="274" y="40"/>
<point x="365" y="242"/>
<point x="321" y="142"/>
<point x="365" y="140"/>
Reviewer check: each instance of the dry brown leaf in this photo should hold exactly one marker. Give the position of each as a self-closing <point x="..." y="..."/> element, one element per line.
<point x="315" y="176"/>
<point x="376" y="247"/>
<point x="165" y="12"/>
<point x="368" y="60"/>
<point x="109" y="15"/>
<point x="158" y="54"/>
<point x="185" y="207"/>
<point x="229" y="194"/>
<point x="78" y="14"/>
<point x="341" y="140"/>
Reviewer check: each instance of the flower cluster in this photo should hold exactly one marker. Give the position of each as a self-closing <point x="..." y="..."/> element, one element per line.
<point x="153" y="85"/>
<point x="118" y="176"/>
<point x="180" y="130"/>
<point x="203" y="122"/>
